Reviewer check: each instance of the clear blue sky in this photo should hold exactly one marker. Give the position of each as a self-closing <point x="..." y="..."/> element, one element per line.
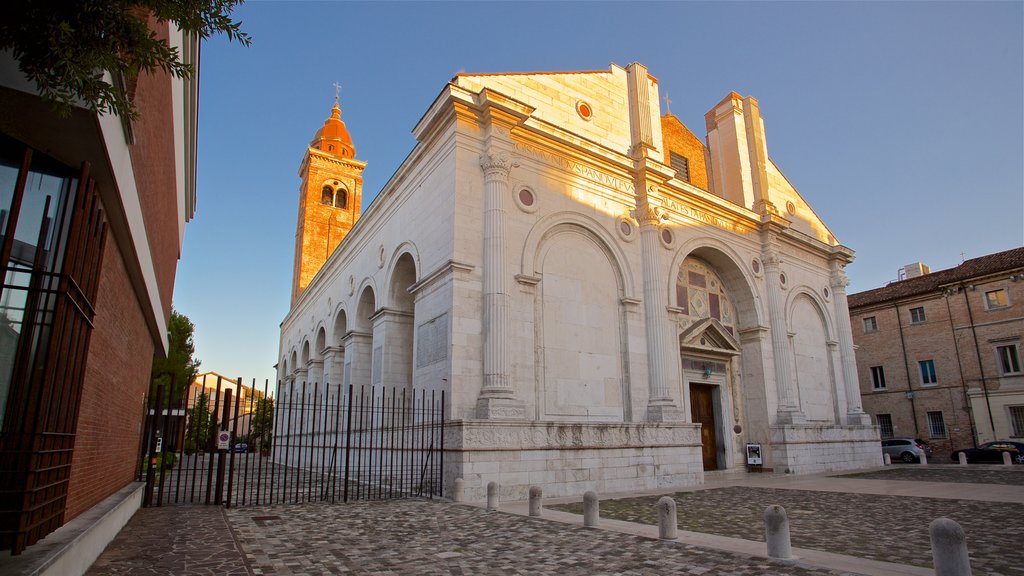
<point x="900" y="123"/>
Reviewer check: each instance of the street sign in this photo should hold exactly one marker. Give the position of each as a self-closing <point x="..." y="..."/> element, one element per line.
<point x="223" y="440"/>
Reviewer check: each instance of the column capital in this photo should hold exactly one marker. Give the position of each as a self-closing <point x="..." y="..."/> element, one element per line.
<point x="838" y="280"/>
<point x="497" y="164"/>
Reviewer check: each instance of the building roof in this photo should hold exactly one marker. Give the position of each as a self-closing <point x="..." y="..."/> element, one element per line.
<point x="969" y="269"/>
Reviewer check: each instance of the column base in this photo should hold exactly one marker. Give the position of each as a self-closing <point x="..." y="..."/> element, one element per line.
<point x="791" y="416"/>
<point x="500" y="408"/>
<point x="665" y="413"/>
<point x="858" y="419"/>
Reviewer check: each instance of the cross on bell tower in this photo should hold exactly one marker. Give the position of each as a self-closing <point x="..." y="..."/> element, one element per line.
<point x="330" y="197"/>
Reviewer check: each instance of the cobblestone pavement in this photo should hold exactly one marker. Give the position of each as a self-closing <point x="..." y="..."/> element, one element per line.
<point x="422" y="537"/>
<point x="885" y="528"/>
<point x="173" y="540"/>
<point x="1007" y="475"/>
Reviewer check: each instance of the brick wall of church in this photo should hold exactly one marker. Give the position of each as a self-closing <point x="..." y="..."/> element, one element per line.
<point x="678" y="138"/>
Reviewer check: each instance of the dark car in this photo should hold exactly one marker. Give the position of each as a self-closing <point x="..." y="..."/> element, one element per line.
<point x="906" y="449"/>
<point x="992" y="452"/>
<point x="241" y="448"/>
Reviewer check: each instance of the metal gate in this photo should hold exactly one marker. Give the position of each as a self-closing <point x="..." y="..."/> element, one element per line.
<point x="234" y="445"/>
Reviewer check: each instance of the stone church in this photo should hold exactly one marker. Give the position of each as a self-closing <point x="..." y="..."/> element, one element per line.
<point x="609" y="302"/>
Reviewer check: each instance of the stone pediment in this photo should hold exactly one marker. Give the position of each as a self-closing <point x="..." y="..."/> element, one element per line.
<point x="709" y="335"/>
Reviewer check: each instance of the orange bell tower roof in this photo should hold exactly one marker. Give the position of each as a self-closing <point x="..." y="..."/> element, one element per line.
<point x="333" y="137"/>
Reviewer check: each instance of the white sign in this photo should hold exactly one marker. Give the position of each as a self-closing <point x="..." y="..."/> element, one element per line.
<point x="223" y="440"/>
<point x="754" y="455"/>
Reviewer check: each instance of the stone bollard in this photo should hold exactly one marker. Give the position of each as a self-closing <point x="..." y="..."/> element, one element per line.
<point x="668" y="522"/>
<point x="1007" y="459"/>
<point x="886" y="459"/>
<point x="590" y="509"/>
<point x="923" y="458"/>
<point x="776" y="532"/>
<point x="962" y="458"/>
<point x="535" y="495"/>
<point x="492" y="495"/>
<point x="459" y="490"/>
<point x="949" y="548"/>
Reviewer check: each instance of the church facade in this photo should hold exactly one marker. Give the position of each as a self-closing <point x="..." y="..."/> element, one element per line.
<point x="608" y="302"/>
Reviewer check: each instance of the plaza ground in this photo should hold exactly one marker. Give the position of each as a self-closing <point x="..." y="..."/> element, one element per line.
<point x="874" y="522"/>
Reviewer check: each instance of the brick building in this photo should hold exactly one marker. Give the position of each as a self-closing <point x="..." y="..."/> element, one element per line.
<point x="92" y="215"/>
<point x="939" y="353"/>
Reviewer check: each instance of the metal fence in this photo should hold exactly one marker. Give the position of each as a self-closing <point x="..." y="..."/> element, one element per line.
<point x="316" y="443"/>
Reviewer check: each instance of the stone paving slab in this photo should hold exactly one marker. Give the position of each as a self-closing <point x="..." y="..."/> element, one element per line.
<point x="878" y="527"/>
<point x="1004" y="475"/>
<point x="435" y="538"/>
<point x="175" y="540"/>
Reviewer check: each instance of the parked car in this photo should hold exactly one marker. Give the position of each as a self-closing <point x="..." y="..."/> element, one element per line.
<point x="906" y="449"/>
<point x="241" y="448"/>
<point x="992" y="452"/>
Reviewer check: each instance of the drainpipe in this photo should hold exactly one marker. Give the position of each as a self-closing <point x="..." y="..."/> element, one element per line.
<point x="960" y="368"/>
<point x="981" y="367"/>
<point x="906" y="368"/>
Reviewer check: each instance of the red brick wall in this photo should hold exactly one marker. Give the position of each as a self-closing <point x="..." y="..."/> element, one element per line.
<point x="678" y="138"/>
<point x="116" y="380"/>
<point x="153" y="162"/>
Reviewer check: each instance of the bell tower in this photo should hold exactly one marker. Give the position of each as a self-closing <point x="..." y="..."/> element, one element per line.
<point x="330" y="198"/>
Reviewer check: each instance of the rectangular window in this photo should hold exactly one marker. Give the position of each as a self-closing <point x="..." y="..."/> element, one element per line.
<point x="936" y="425"/>
<point x="996" y="299"/>
<point x="870" y="324"/>
<point x="1009" y="359"/>
<point x="885" y="425"/>
<point x="681" y="164"/>
<point x="1017" y="420"/>
<point x="878" y="377"/>
<point x="928" y="372"/>
<point x="917" y="315"/>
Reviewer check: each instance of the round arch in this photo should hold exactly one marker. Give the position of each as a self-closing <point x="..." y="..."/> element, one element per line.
<point x="561" y="222"/>
<point x="728" y="265"/>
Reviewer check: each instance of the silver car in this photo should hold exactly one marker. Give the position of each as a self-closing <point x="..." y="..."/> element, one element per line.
<point x="906" y="449"/>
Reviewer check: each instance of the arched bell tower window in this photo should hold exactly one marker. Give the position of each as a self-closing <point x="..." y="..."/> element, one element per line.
<point x="327" y="196"/>
<point x="341" y="199"/>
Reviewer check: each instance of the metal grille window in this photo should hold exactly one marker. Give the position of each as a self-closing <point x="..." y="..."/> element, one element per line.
<point x="917" y="315"/>
<point x="1009" y="359"/>
<point x="870" y="324"/>
<point x="928" y="372"/>
<point x="885" y="425"/>
<point x="996" y="299"/>
<point x="936" y="425"/>
<point x="681" y="164"/>
<point x="1017" y="420"/>
<point x="878" y="377"/>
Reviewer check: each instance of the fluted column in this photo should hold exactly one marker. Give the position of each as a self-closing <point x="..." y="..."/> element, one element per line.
<point x="854" y="410"/>
<point x="789" y="410"/>
<point x="496" y="398"/>
<point x="660" y="406"/>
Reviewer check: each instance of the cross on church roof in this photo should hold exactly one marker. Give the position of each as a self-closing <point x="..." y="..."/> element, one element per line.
<point x="668" y="104"/>
<point x="337" y="91"/>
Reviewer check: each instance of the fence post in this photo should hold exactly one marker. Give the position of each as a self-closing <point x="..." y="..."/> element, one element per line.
<point x="151" y="458"/>
<point x="591" y="509"/>
<point x="221" y="453"/>
<point x="949" y="548"/>
<point x="776" y="529"/>
<point x="535" y="497"/>
<point x="492" y="495"/>
<point x="668" y="521"/>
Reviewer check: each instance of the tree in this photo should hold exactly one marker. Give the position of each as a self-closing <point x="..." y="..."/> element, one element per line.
<point x="262" y="426"/>
<point x="198" y="424"/>
<point x="65" y="47"/>
<point x="180" y="361"/>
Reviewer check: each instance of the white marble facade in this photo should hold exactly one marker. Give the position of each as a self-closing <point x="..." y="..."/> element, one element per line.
<point x="534" y="258"/>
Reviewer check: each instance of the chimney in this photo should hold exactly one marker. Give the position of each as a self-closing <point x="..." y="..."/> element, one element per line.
<point x="916" y="269"/>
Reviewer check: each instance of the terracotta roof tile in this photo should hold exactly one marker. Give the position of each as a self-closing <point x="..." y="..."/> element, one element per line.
<point x="973" y="268"/>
